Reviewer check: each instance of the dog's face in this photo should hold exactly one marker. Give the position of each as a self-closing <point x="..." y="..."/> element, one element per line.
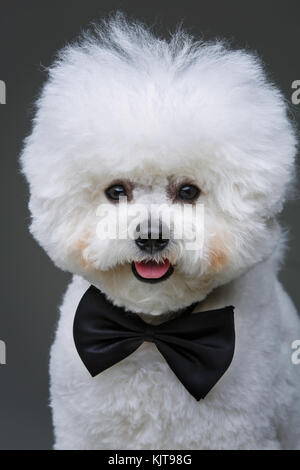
<point x="157" y="177"/>
<point x="155" y="240"/>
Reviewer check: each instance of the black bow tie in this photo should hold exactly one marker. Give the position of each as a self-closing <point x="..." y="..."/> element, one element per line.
<point x="197" y="347"/>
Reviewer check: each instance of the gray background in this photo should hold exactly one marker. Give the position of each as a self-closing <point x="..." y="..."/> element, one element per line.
<point x="30" y="33"/>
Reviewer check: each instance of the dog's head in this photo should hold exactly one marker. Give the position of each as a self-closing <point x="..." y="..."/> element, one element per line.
<point x="157" y="168"/>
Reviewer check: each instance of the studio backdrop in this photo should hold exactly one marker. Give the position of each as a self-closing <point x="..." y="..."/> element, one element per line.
<point x="31" y="33"/>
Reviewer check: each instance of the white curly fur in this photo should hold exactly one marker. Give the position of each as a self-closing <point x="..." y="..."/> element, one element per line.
<point x="122" y="104"/>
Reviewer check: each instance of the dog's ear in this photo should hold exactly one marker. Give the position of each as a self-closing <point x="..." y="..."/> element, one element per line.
<point x="254" y="136"/>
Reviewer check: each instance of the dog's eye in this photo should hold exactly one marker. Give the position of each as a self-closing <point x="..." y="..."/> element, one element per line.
<point x="115" y="192"/>
<point x="188" y="192"/>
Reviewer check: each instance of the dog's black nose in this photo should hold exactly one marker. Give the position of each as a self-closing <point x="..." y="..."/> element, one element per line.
<point x="152" y="245"/>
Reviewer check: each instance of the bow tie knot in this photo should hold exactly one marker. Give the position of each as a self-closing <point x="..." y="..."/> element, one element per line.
<point x="197" y="347"/>
<point x="149" y="334"/>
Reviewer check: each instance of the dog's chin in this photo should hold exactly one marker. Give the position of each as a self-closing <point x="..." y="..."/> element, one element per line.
<point x="152" y="272"/>
<point x="142" y="290"/>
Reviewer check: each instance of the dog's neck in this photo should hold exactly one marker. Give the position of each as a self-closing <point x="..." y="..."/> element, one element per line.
<point x="158" y="319"/>
<point x="164" y="317"/>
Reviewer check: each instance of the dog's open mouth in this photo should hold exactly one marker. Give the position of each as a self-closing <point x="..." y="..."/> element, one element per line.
<point x="151" y="271"/>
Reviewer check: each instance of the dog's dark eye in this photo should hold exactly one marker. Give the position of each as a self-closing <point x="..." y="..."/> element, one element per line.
<point x="188" y="192"/>
<point x="115" y="192"/>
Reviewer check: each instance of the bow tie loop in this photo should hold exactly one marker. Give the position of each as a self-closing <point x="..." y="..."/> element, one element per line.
<point x="149" y="333"/>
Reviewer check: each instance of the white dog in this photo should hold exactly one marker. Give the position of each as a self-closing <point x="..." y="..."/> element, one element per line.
<point x="126" y="114"/>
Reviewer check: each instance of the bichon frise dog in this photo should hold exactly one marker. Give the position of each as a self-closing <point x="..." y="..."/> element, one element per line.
<point x="127" y="120"/>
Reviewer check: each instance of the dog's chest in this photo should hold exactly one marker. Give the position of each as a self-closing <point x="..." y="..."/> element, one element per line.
<point x="145" y="371"/>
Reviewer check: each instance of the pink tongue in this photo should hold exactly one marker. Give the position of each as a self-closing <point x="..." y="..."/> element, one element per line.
<point x="151" y="269"/>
